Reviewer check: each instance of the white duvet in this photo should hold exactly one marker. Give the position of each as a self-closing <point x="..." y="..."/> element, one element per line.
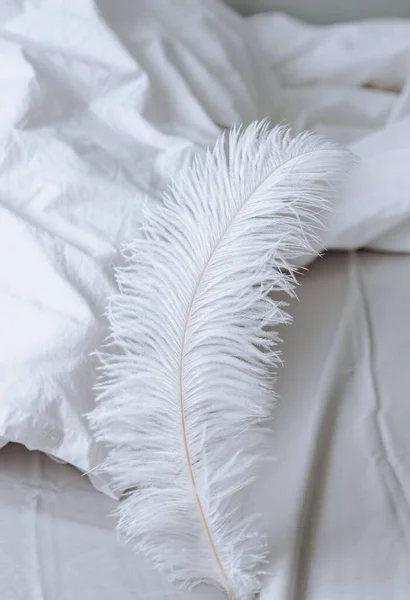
<point x="101" y="103"/>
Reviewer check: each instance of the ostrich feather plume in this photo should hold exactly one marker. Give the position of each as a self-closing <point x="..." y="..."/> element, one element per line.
<point x="186" y="375"/>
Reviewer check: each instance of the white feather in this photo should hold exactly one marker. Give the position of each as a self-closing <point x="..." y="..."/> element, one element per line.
<point x="185" y="377"/>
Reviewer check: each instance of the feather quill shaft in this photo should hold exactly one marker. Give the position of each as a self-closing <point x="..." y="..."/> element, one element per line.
<point x="185" y="441"/>
<point x="186" y="374"/>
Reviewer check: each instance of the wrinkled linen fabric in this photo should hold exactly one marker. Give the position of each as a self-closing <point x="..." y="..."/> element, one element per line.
<point x="351" y="82"/>
<point x="101" y="104"/>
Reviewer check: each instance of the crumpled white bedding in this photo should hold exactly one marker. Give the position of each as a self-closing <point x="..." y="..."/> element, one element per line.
<point x="101" y="103"/>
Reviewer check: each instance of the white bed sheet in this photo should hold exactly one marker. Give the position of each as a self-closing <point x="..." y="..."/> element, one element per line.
<point x="57" y="542"/>
<point x="101" y="103"/>
<point x="340" y="488"/>
<point x="336" y="501"/>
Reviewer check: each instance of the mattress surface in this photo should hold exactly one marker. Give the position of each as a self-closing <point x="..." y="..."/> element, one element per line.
<point x="336" y="501"/>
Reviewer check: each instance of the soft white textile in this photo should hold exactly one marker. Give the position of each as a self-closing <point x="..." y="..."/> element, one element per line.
<point x="351" y="82"/>
<point x="101" y="103"/>
<point x="58" y="544"/>
<point x="337" y="499"/>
